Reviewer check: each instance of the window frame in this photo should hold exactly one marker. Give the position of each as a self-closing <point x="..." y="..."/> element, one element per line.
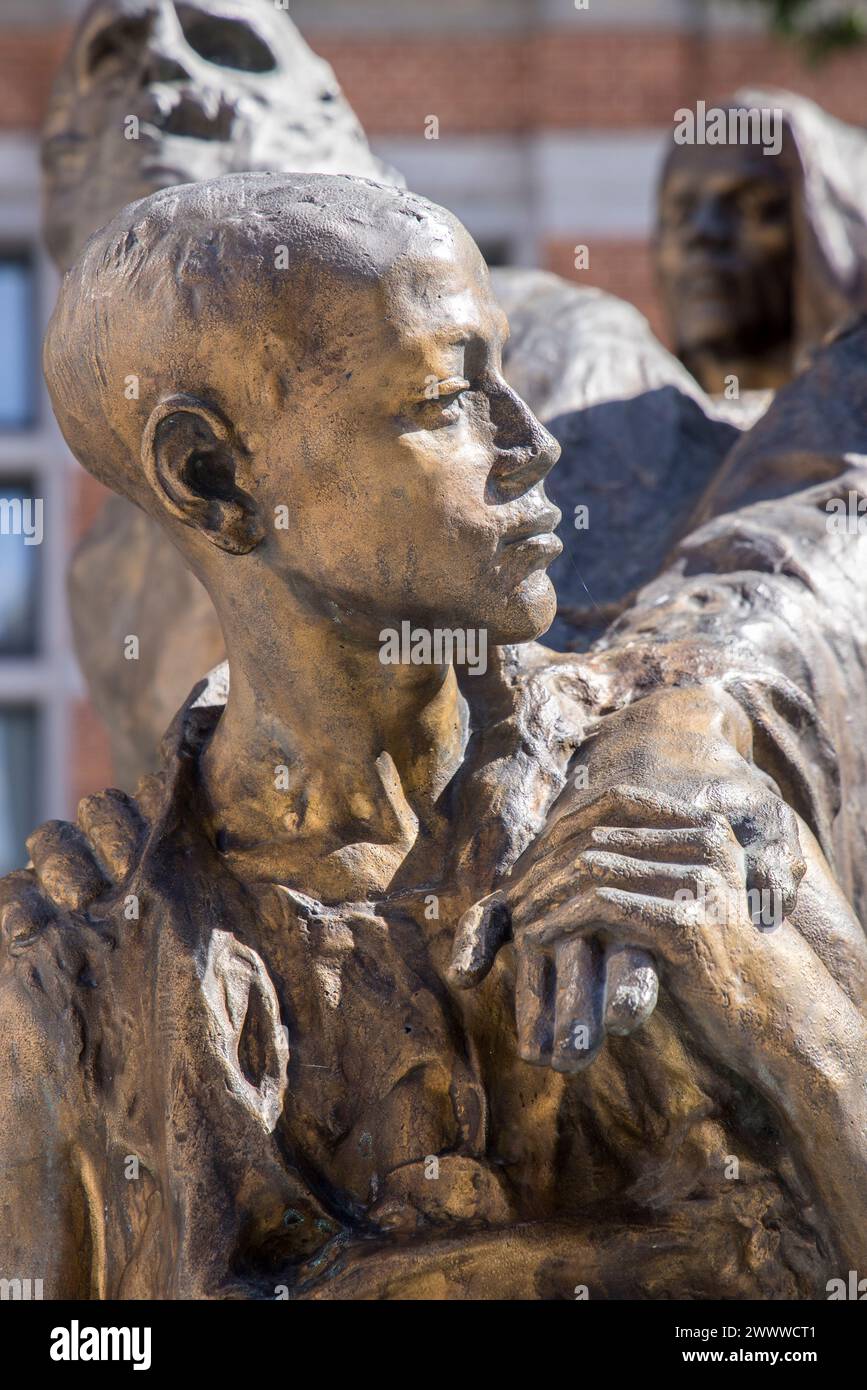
<point x="47" y="680"/>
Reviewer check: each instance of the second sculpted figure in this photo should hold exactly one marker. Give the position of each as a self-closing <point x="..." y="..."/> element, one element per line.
<point x="357" y="996"/>
<point x="762" y="249"/>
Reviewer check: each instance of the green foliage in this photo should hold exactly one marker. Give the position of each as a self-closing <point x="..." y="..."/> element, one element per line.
<point x="819" y="27"/>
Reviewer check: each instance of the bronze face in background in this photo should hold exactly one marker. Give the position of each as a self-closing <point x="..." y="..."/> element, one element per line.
<point x="725" y="257"/>
<point x="761" y="245"/>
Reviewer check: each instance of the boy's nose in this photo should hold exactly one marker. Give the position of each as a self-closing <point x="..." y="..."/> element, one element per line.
<point x="526" y="452"/>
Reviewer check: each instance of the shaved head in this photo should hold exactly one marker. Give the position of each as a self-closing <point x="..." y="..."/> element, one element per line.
<point x="305" y="370"/>
<point x="170" y="295"/>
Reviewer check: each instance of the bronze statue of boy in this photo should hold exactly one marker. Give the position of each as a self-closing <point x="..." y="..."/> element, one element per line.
<point x="270" y="1021"/>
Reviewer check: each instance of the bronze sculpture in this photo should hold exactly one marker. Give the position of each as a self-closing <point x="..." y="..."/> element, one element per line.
<point x="639" y="437"/>
<point x="331" y="861"/>
<point x="761" y="251"/>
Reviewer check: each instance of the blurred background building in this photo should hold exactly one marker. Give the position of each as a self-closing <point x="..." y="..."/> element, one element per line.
<point x="550" y="120"/>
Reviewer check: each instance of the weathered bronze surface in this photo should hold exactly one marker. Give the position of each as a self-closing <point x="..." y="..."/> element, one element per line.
<point x="302" y="976"/>
<point x="760" y="254"/>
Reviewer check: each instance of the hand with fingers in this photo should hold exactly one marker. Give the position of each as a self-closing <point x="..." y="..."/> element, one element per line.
<point x="73" y="865"/>
<point x="634" y="875"/>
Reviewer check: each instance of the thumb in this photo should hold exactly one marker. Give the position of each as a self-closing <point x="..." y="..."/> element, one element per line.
<point x="481" y="931"/>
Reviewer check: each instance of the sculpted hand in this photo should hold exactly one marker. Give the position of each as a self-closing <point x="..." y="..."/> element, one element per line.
<point x="73" y="865"/>
<point x="675" y="825"/>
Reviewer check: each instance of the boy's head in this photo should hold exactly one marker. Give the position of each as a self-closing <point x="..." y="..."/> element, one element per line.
<point x="303" y="372"/>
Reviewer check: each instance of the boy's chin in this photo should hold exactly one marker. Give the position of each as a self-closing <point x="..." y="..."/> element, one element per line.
<point x="530" y="610"/>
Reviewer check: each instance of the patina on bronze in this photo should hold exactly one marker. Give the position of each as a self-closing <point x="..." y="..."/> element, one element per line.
<point x="303" y="974"/>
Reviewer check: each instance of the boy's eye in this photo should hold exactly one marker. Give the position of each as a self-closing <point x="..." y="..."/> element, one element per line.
<point x="442" y="399"/>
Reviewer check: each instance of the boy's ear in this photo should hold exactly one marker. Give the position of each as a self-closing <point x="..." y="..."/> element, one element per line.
<point x="190" y="457"/>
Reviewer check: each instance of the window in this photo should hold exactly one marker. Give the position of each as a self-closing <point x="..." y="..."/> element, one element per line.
<point x="20" y="777"/>
<point x="37" y="677"/>
<point x="21" y="523"/>
<point x="17" y="348"/>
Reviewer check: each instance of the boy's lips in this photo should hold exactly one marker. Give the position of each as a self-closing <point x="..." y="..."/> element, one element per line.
<point x="543" y="545"/>
<point x="538" y="528"/>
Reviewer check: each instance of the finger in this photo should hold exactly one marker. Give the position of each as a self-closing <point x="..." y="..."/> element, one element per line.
<point x="631" y="988"/>
<point x="534" y="1004"/>
<point x="24" y="909"/>
<point x="579" y="1002"/>
<point x="115" y="829"/>
<point x="775" y="868"/>
<point x="623" y="806"/>
<point x="551" y="882"/>
<point x="536" y="911"/>
<point x="65" y="866"/>
<point x="662" y="926"/>
<point x="480" y="933"/>
<point x="775" y="862"/>
<point x="658" y="880"/>
<point x="703" y="845"/>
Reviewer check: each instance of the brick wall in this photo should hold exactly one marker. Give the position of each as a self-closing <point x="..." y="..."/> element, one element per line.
<point x="595" y="80"/>
<point x="28" y="61"/>
<point x="508" y="83"/>
<point x="91" y="766"/>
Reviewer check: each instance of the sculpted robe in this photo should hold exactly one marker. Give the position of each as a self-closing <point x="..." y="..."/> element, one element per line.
<point x="311" y="1109"/>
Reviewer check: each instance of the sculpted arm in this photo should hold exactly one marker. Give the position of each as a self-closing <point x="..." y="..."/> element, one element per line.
<point x="735" y="679"/>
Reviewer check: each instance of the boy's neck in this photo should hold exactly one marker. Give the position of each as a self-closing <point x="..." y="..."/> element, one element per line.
<point x="326" y="764"/>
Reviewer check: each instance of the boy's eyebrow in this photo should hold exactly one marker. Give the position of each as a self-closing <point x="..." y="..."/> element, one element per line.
<point x="459" y="336"/>
<point x="462" y="335"/>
